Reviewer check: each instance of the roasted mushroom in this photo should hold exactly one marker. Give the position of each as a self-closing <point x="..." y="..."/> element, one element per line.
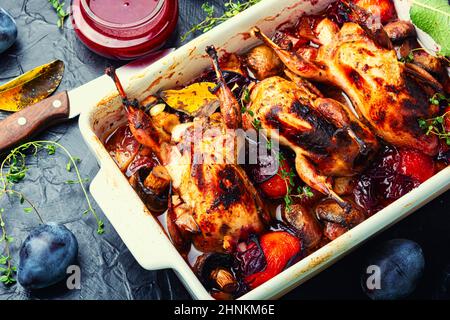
<point x="344" y="185"/>
<point x="214" y="270"/>
<point x="399" y="30"/>
<point x="305" y="224"/>
<point x="263" y="62"/>
<point x="152" y="187"/>
<point x="329" y="210"/>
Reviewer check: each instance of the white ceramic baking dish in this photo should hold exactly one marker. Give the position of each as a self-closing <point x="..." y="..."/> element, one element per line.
<point x="141" y="232"/>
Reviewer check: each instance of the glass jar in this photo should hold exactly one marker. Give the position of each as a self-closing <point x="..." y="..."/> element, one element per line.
<point x="124" y="29"/>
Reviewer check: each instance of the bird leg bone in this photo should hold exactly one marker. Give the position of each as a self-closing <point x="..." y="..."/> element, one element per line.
<point x="229" y="106"/>
<point x="293" y="61"/>
<point x="423" y="77"/>
<point x="140" y="123"/>
<point x="308" y="173"/>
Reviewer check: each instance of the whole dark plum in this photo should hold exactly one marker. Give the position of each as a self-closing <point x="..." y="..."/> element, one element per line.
<point x="45" y="255"/>
<point x="401" y="264"/>
<point x="8" y="30"/>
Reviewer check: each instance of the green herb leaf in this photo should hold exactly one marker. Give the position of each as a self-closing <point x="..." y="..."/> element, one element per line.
<point x="409" y="58"/>
<point x="233" y="8"/>
<point x="433" y="17"/>
<point x="28" y="210"/>
<point x="436" y="126"/>
<point x="208" y="9"/>
<point x="60" y="11"/>
<point x="51" y="149"/>
<point x="256" y="123"/>
<point x="3" y="259"/>
<point x="84" y="180"/>
<point x="100" y="227"/>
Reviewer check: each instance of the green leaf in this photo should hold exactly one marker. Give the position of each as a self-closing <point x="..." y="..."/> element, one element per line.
<point x="60" y="11"/>
<point x="212" y="19"/>
<point x="4" y="279"/>
<point x="84" y="180"/>
<point x="15" y="177"/>
<point x="51" y="149"/>
<point x="433" y="17"/>
<point x="422" y="123"/>
<point x="100" y="227"/>
<point x="10" y="280"/>
<point x="28" y="210"/>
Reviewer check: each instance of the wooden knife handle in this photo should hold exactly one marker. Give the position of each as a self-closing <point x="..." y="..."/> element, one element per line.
<point x="25" y="123"/>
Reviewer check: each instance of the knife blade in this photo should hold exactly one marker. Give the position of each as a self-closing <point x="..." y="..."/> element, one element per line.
<point x="33" y="119"/>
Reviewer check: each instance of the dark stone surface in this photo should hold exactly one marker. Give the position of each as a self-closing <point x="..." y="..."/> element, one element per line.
<point x="108" y="269"/>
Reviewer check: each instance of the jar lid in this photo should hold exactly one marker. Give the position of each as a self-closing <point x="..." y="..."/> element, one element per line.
<point x="113" y="25"/>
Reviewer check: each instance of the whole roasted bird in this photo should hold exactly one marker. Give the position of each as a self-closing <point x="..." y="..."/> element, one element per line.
<point x="327" y="139"/>
<point x="390" y="95"/>
<point x="214" y="202"/>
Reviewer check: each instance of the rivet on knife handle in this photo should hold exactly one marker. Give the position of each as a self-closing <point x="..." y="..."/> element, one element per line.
<point x="26" y="123"/>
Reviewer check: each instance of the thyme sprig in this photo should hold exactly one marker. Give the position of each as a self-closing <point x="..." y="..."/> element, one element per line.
<point x="211" y="20"/>
<point x="245" y="100"/>
<point x="13" y="170"/>
<point x="438" y="98"/>
<point x="288" y="176"/>
<point x="60" y="11"/>
<point x="437" y="127"/>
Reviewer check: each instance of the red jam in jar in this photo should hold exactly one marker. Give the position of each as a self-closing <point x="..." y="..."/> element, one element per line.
<point x="124" y="29"/>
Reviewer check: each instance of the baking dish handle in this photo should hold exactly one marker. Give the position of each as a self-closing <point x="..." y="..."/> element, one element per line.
<point x="139" y="230"/>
